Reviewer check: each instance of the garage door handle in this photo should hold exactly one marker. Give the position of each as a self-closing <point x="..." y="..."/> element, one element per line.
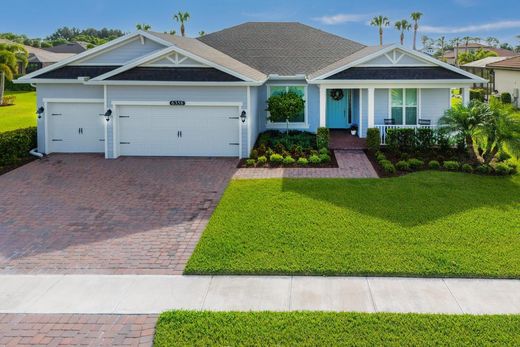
<point x="124" y="143"/>
<point x="56" y="114"/>
<point x="57" y="140"/>
<point x="234" y="144"/>
<point x="124" y="116"/>
<point x="233" y="117"/>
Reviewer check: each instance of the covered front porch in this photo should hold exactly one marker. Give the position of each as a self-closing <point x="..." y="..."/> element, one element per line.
<point x="345" y="107"/>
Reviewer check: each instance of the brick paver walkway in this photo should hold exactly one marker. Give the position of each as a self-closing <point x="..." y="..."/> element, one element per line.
<point x="351" y="164"/>
<point x="84" y="214"/>
<point x="76" y="330"/>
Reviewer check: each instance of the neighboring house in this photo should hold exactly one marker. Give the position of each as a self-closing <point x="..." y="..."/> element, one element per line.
<point x="507" y="77"/>
<point x="73" y="48"/>
<point x="156" y="94"/>
<point x="449" y="56"/>
<point x="479" y="68"/>
<point x="38" y="58"/>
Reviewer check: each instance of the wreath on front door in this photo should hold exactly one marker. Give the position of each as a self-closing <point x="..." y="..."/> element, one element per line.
<point x="336" y="94"/>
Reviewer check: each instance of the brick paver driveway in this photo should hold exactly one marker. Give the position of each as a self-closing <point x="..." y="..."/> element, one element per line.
<point x="84" y="214"/>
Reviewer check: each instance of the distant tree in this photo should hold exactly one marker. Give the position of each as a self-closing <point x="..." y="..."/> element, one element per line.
<point x="476" y="39"/>
<point x="416" y="16"/>
<point x="468" y="57"/>
<point x="11" y="54"/>
<point x="426" y="41"/>
<point x="380" y="22"/>
<point x="506" y="45"/>
<point x="402" y="26"/>
<point x="143" y="27"/>
<point x="441" y="43"/>
<point x="202" y="33"/>
<point x="466" y="40"/>
<point x="455" y="42"/>
<point x="492" y="41"/>
<point x="182" y="18"/>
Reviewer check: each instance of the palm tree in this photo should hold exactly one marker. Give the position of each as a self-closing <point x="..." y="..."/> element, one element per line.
<point x="143" y="27"/>
<point x="380" y="22"/>
<point x="441" y="41"/>
<point x="466" y="121"/>
<point x="11" y="54"/>
<point x="426" y="41"/>
<point x="455" y="43"/>
<point x="402" y="26"/>
<point x="182" y="17"/>
<point x="492" y="41"/>
<point x="416" y="16"/>
<point x="466" y="40"/>
<point x="500" y="131"/>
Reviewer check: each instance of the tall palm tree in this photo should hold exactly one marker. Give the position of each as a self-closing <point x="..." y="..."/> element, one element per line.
<point x="402" y="26"/>
<point x="380" y="22"/>
<point x="492" y="41"/>
<point x="11" y="54"/>
<point x="143" y="27"/>
<point x="182" y="18"/>
<point x="441" y="42"/>
<point x="466" y="121"/>
<point x="455" y="43"/>
<point x="466" y="40"/>
<point x="416" y="16"/>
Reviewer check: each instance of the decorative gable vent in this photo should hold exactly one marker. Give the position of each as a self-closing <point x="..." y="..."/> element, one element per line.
<point x="174" y="60"/>
<point x="396" y="57"/>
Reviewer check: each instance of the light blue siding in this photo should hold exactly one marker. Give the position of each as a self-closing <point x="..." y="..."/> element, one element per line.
<point x="434" y="102"/>
<point x="253" y="117"/>
<point x="381" y="106"/>
<point x="125" y="53"/>
<point x="61" y="91"/>
<point x="355" y="106"/>
<point x="364" y="113"/>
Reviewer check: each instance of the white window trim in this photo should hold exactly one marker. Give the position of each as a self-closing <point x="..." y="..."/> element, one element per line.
<point x="298" y="125"/>
<point x="404" y="105"/>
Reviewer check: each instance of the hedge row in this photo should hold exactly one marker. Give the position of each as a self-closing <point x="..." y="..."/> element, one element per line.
<point x="12" y="87"/>
<point x="15" y="145"/>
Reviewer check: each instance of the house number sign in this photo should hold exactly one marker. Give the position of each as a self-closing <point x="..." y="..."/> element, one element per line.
<point x="177" y="103"/>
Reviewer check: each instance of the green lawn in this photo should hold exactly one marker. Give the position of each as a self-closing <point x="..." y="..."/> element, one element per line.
<point x="21" y="115"/>
<point x="424" y="224"/>
<point x="179" y="328"/>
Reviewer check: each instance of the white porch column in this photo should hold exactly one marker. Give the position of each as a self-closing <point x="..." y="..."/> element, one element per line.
<point x="465" y="96"/>
<point x="323" y="106"/>
<point x="371" y="110"/>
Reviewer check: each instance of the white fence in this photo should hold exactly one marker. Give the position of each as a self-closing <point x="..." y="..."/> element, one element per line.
<point x="384" y="128"/>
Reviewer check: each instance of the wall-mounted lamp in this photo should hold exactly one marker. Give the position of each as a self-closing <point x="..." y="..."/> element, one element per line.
<point x="108" y="114"/>
<point x="243" y="116"/>
<point x="40" y="111"/>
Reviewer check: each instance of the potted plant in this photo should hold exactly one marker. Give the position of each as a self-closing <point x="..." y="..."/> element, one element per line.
<point x="353" y="129"/>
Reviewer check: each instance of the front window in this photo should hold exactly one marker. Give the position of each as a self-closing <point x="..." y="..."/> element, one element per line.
<point x="298" y="90"/>
<point x="404" y="106"/>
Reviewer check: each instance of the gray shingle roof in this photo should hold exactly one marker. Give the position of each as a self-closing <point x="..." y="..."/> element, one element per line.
<point x="285" y="49"/>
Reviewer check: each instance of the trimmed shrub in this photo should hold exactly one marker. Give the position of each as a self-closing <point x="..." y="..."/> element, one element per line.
<point x="425" y="139"/>
<point x="12" y="87"/>
<point x="512" y="166"/>
<point x="322" y="138"/>
<point x="269" y="152"/>
<point x="303" y="162"/>
<point x="262" y="160"/>
<point x="288" y="160"/>
<point x="314" y="159"/>
<point x="401" y="140"/>
<point x="385" y="162"/>
<point x="502" y="169"/>
<point x="506" y="98"/>
<point x="388" y="167"/>
<point x="250" y="162"/>
<point x="373" y="139"/>
<point x="325" y="158"/>
<point x="415" y="164"/>
<point x="451" y="165"/>
<point x="279" y="148"/>
<point x="477" y="94"/>
<point x="380" y="157"/>
<point x="484" y="169"/>
<point x="324" y="151"/>
<point x="16" y="144"/>
<point x="402" y="166"/>
<point x="254" y="154"/>
<point x="276" y="158"/>
<point x="443" y="140"/>
<point x="434" y="165"/>
<point x="8" y="100"/>
<point x="467" y="168"/>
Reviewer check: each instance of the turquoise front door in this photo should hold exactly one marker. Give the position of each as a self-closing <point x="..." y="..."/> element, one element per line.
<point x="338" y="109"/>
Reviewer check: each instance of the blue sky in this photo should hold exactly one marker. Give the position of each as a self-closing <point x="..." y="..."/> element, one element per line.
<point x="483" y="18"/>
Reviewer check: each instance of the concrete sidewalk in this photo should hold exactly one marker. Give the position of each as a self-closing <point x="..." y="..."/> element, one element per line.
<point x="107" y="294"/>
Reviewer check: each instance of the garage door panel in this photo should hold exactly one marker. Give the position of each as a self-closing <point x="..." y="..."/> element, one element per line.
<point x="178" y="131"/>
<point x="76" y="128"/>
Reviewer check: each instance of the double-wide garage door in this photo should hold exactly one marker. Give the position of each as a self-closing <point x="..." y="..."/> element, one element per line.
<point x="178" y="131"/>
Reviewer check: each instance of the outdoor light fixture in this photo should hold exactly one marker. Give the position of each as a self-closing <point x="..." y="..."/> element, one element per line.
<point x="40" y="111"/>
<point x="243" y="116"/>
<point x="108" y="113"/>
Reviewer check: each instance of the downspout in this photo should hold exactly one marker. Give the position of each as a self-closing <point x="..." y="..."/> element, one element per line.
<point x="34" y="152"/>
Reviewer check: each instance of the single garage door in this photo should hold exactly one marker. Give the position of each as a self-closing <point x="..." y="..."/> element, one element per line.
<point x="178" y="131"/>
<point x="75" y="128"/>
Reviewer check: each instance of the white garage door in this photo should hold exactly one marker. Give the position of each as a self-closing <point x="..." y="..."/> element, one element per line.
<point x="75" y="128"/>
<point x="178" y="131"/>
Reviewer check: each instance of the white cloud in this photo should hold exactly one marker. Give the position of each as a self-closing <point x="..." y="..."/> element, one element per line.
<point x="507" y="24"/>
<point x="342" y="18"/>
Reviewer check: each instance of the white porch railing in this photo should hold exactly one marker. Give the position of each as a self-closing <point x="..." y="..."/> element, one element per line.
<point x="384" y="128"/>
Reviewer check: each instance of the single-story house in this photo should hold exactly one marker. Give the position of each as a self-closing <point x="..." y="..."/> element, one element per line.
<point x="449" y="56"/>
<point x="507" y="77"/>
<point x="479" y="68"/>
<point x="156" y="94"/>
